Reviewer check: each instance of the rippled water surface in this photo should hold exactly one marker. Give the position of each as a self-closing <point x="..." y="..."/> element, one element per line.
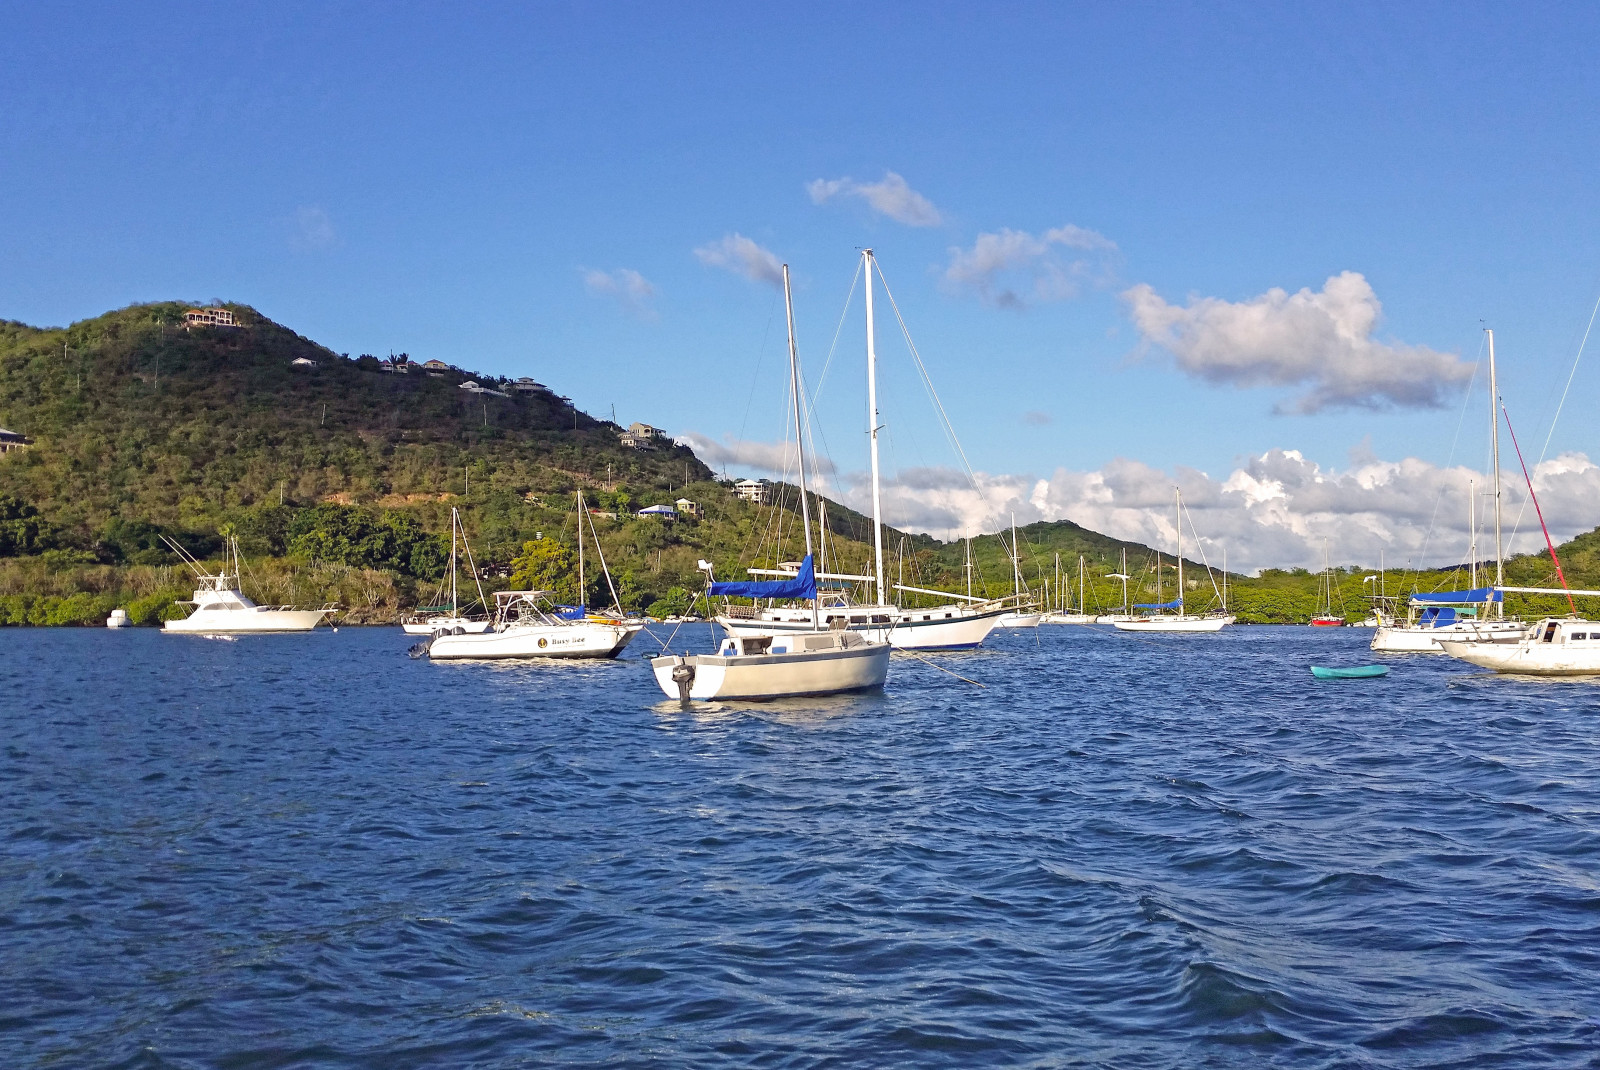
<point x="313" y="851"/>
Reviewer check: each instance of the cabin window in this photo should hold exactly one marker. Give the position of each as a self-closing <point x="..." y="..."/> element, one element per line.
<point x="1550" y="632"/>
<point x="1580" y="635"/>
<point x="858" y="620"/>
<point x="880" y="618"/>
<point x="947" y="616"/>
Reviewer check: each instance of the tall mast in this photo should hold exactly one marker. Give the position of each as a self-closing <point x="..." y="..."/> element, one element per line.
<point x="969" y="566"/>
<point x="799" y="434"/>
<point x="873" y="429"/>
<point x="1179" y="495"/>
<point x="454" y="611"/>
<point x="1016" y="565"/>
<point x="1082" y="601"/>
<point x="1472" y="528"/>
<point x="1060" y="607"/>
<point x="1125" y="581"/>
<point x="1494" y="449"/>
<point x="583" y="590"/>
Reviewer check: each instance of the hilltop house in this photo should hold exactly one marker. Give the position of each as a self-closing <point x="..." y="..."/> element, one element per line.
<point x="208" y="317"/>
<point x="688" y="508"/>
<point x="10" y="440"/>
<point x="660" y="512"/>
<point x="302" y="362"/>
<point x="641" y="436"/>
<point x="435" y="366"/>
<point x="472" y="386"/>
<point x="526" y="385"/>
<point x="755" y="491"/>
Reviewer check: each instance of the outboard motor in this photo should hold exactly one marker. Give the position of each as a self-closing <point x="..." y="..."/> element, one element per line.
<point x="683" y="676"/>
<point x="420" y="650"/>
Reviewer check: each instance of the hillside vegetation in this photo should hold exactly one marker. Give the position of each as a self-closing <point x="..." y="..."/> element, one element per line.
<point x="339" y="480"/>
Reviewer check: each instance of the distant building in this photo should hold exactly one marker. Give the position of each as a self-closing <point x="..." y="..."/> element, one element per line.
<point x="471" y="384"/>
<point x="688" y="508"/>
<point x="644" y="430"/>
<point x="10" y="440"/>
<point x="636" y="442"/>
<point x="302" y="362"/>
<point x="526" y="385"/>
<point x="435" y="366"/>
<point x="755" y="491"/>
<point x="661" y="512"/>
<point x="208" y="317"/>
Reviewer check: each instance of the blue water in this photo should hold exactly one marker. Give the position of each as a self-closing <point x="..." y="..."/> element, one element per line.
<point x="313" y="851"/>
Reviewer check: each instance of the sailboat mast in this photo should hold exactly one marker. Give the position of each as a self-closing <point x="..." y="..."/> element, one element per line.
<point x="454" y="610"/>
<point x="1083" y="603"/>
<point x="1179" y="494"/>
<point x="1016" y="565"/>
<point x="1125" y="581"/>
<point x="583" y="589"/>
<point x="1472" y="529"/>
<point x="1494" y="459"/>
<point x="799" y="433"/>
<point x="872" y="431"/>
<point x="969" y="566"/>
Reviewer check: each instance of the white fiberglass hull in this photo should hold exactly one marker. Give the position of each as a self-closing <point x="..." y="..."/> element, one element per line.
<point x="1529" y="658"/>
<point x="247" y="620"/>
<point x="1174" y="624"/>
<point x="446" y="624"/>
<point x="1018" y="620"/>
<point x="581" y="639"/>
<point x="1068" y="618"/>
<point x="770" y="676"/>
<point x="1402" y="639"/>
<point x="944" y="628"/>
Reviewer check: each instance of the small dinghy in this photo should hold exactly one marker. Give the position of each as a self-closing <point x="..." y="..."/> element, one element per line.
<point x="1353" y="672"/>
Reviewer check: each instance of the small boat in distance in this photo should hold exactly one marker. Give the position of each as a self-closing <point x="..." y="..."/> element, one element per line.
<point x="1353" y="672"/>
<point x="795" y="663"/>
<point x="1326" y="617"/>
<point x="1023" y="614"/>
<point x="1063" y="613"/>
<point x="220" y="607"/>
<point x="448" y="618"/>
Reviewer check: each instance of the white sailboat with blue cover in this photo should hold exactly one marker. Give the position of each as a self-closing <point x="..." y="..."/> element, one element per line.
<point x="795" y="663"/>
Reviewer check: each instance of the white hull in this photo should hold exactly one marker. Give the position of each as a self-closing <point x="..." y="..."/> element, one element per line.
<point x="1553" y="647"/>
<point x="580" y="639"/>
<point x="1112" y="618"/>
<point x="860" y="666"/>
<point x="118" y="619"/>
<point x="1403" y="639"/>
<point x="1174" y="624"/>
<point x="944" y="628"/>
<point x="1018" y="620"/>
<point x="247" y="620"/>
<point x="446" y="624"/>
<point x="1068" y="618"/>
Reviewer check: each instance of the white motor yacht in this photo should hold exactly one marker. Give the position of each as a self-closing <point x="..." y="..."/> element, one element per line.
<point x="528" y="625"/>
<point x="220" y="607"/>
<point x="1554" y="646"/>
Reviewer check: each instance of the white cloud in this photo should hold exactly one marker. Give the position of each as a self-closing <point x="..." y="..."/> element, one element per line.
<point x="740" y="255"/>
<point x="1321" y="341"/>
<point x="1013" y="268"/>
<point x="740" y="456"/>
<point x="631" y="289"/>
<point x="1274" y="511"/>
<point x="891" y="197"/>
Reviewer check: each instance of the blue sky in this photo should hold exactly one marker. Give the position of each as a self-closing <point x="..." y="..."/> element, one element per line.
<point x="453" y="182"/>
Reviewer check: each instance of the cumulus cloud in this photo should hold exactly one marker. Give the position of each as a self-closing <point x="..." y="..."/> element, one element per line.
<point x="742" y="456"/>
<point x="740" y="255"/>
<point x="1273" y="511"/>
<point x="1322" y="341"/>
<point x="1013" y="268"/>
<point x="891" y="197"/>
<point x="630" y="289"/>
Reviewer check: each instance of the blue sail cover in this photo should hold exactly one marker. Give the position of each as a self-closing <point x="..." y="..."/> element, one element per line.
<point x="1159" y="605"/>
<point x="803" y="585"/>
<point x="1476" y="596"/>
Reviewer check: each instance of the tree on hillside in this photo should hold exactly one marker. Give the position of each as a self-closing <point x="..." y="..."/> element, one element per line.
<point x="548" y="565"/>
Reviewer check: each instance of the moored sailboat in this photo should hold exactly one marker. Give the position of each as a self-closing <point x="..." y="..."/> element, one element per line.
<point x="449" y="618"/>
<point x="795" y="663"/>
<point x="1160" y="621"/>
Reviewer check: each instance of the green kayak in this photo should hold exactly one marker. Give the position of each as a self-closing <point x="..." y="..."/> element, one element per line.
<point x="1355" y="672"/>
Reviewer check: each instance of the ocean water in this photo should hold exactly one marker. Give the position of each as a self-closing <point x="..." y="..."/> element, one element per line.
<point x="312" y="851"/>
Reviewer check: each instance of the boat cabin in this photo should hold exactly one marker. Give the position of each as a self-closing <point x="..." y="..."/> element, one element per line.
<point x="1559" y="631"/>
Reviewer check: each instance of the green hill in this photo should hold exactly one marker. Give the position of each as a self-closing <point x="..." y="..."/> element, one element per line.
<point x="339" y="477"/>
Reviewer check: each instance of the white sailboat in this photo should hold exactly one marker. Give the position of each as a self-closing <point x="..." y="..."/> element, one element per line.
<point x="1126" y="614"/>
<point x="1023" y="615"/>
<point x="1554" y="646"/>
<point x="1063" y="614"/>
<point x="425" y="622"/>
<point x="220" y="607"/>
<point x="960" y="624"/>
<point x="530" y="624"/>
<point x="1477" y="614"/>
<point x="1180" y="621"/>
<point x="797" y="663"/>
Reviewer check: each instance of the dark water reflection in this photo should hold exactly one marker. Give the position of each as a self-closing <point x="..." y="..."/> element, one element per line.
<point x="1184" y="852"/>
